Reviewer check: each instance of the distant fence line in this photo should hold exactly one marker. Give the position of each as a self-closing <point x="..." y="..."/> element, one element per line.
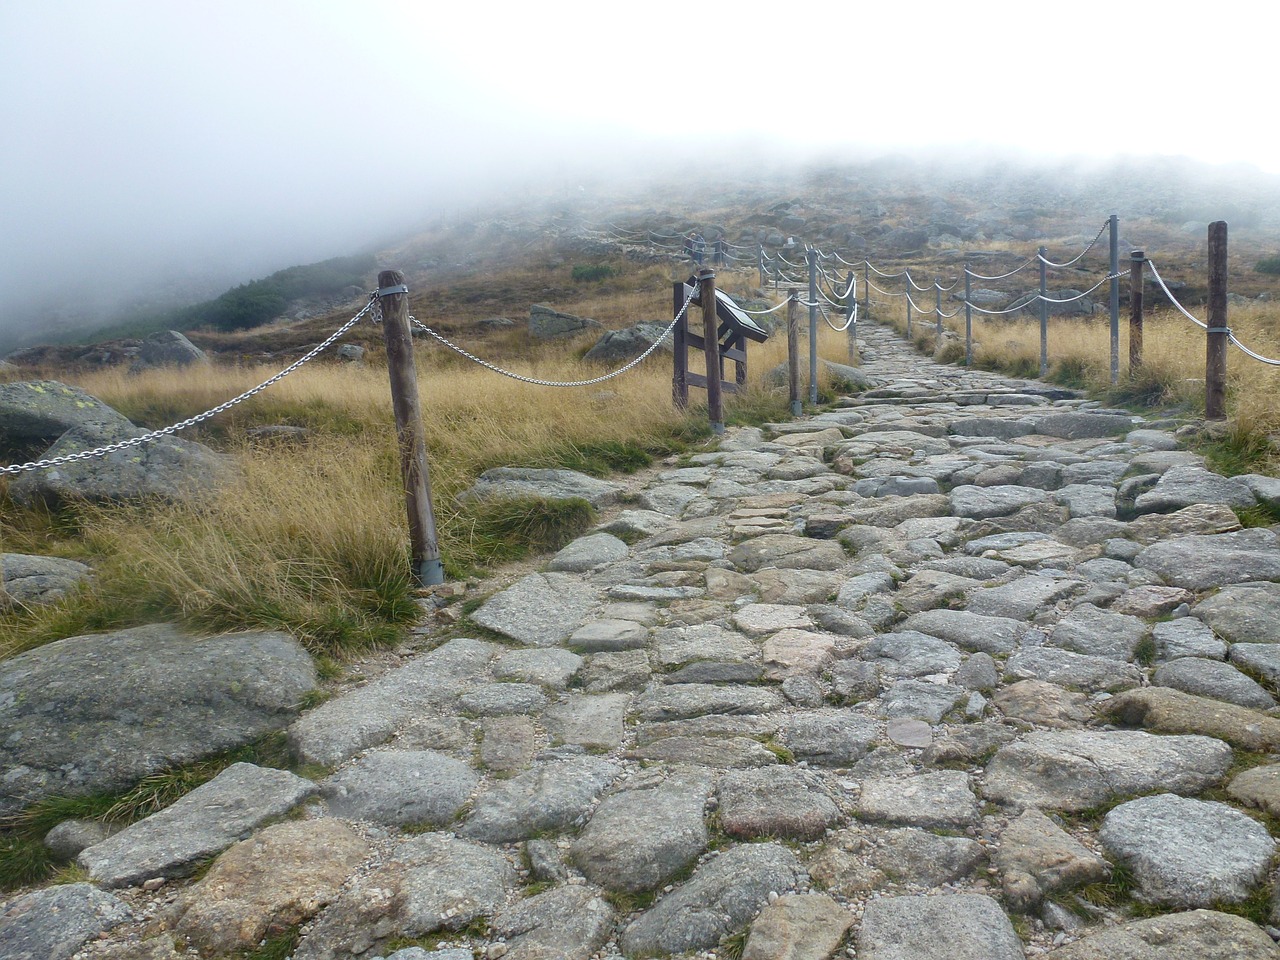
<point x="819" y="267"/>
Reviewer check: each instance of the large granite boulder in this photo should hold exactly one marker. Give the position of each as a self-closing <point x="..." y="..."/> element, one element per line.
<point x="165" y="469"/>
<point x="97" y="713"/>
<point x="629" y="343"/>
<point x="167" y="348"/>
<point x="548" y="324"/>
<point x="30" y="580"/>
<point x="34" y="413"/>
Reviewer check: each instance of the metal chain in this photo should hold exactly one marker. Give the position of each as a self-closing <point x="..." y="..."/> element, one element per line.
<point x="192" y="421"/>
<point x="553" y="383"/>
<point x="1076" y="259"/>
<point x="1002" y="276"/>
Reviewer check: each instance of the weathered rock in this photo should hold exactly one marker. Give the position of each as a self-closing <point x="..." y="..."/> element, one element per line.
<point x="1182" y="486"/>
<point x="1068" y="669"/>
<point x="720" y="898"/>
<point x="1021" y="599"/>
<point x="569" y="922"/>
<point x="1075" y="770"/>
<point x="31" y="580"/>
<point x="696" y="699"/>
<point x="1188" y="637"/>
<point x="1043" y="704"/>
<point x="1188" y="853"/>
<point x="777" y="801"/>
<point x="206" y="821"/>
<point x="1203" y="934"/>
<point x="54" y="923"/>
<point x="939" y="799"/>
<point x="1203" y="562"/>
<point x="639" y="839"/>
<point x="99" y="712"/>
<point x="1211" y="678"/>
<point x="978" y="503"/>
<point x="510" y="482"/>
<point x="628" y="343"/>
<point x="262" y="886"/>
<point x="1099" y="633"/>
<point x="829" y="738"/>
<point x="36" y="412"/>
<point x="1082" y="426"/>
<point x="370" y="714"/>
<point x="502" y="699"/>
<point x="550" y="798"/>
<point x="424" y="884"/>
<point x="401" y="787"/>
<point x="546" y="323"/>
<point x="1171" y="711"/>
<point x="167" y="469"/>
<point x="798" y="927"/>
<point x="591" y="721"/>
<point x="967" y="630"/>
<point x="540" y="610"/>
<point x="1258" y="787"/>
<point x="949" y="927"/>
<point x="552" y="667"/>
<point x="786" y="552"/>
<point x="1038" y="858"/>
<point x="587" y="553"/>
<point x="168" y="348"/>
<point x="1242" y="613"/>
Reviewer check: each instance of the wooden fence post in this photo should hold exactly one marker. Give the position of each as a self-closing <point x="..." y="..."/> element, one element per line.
<point x="907" y="288"/>
<point x="1136" y="259"/>
<point x="1215" y="365"/>
<point x="937" y="309"/>
<point x="393" y="300"/>
<point x="680" y="344"/>
<point x="711" y="348"/>
<point x="793" y="352"/>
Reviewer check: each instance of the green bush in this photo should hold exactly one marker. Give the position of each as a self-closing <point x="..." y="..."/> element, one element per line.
<point x="598" y="271"/>
<point x="1268" y="265"/>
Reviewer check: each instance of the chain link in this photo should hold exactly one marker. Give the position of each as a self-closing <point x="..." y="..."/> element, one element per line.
<point x="553" y="383"/>
<point x="191" y="421"/>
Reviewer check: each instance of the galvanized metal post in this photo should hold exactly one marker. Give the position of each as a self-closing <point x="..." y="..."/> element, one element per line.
<point x="1044" y="314"/>
<point x="811" y="255"/>
<point x="866" y="285"/>
<point x="968" y="318"/>
<point x="851" y="316"/>
<point x="793" y="351"/>
<point x="1136" y="259"/>
<point x="937" y="309"/>
<point x="907" y="289"/>
<point x="1114" y="226"/>
<point x="760" y="263"/>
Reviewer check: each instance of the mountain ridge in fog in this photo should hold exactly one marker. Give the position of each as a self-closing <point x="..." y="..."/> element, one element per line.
<point x="970" y="186"/>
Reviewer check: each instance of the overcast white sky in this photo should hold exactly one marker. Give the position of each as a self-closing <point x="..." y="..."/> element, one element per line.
<point x="252" y="132"/>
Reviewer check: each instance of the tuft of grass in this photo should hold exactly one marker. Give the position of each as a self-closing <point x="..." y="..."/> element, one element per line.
<point x="1145" y="651"/>
<point x="734" y="945"/>
<point x="280" y="947"/>
<point x="504" y="529"/>
<point x="586" y="273"/>
<point x="23" y="861"/>
<point x="1241" y="448"/>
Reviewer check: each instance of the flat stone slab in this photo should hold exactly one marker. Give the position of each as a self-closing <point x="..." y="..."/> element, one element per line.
<point x="1203" y="934"/>
<point x="640" y="838"/>
<point x="721" y="898"/>
<point x="97" y="713"/>
<point x="509" y="482"/>
<point x="968" y="630"/>
<point x="599" y="636"/>
<point x="588" y="553"/>
<point x="1188" y="853"/>
<point x="942" y="799"/>
<point x="1098" y="633"/>
<point x="568" y="922"/>
<point x="787" y="552"/>
<point x="52" y="924"/>
<point x="541" y="610"/>
<point x="829" y="738"/>
<point x="761" y="619"/>
<point x="908" y="653"/>
<point x="808" y="925"/>
<point x="1181" y="486"/>
<point x="1171" y="711"/>
<point x="550" y="798"/>
<point x="591" y="721"/>
<point x="1075" y="770"/>
<point x="1067" y="669"/>
<point x="946" y="927"/>
<point x="1038" y="858"/>
<point x="551" y="667"/>
<point x="1212" y="678"/>
<point x="206" y="821"/>
<point x="423" y="884"/>
<point x="1201" y="563"/>
<point x="1021" y="599"/>
<point x="698" y="699"/>
<point x="677" y="646"/>
<point x="1043" y="704"/>
<point x="979" y="503"/>
<point x="776" y="801"/>
<point x="1243" y="613"/>
<point x="369" y="715"/>
<point x="401" y="787"/>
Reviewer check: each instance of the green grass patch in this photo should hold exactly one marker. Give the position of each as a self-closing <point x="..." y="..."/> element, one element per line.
<point x="1270" y="265"/>
<point x="506" y="529"/>
<point x="1145" y="651"/>
<point x="1238" y="450"/>
<point x="588" y="273"/>
<point x="280" y="947"/>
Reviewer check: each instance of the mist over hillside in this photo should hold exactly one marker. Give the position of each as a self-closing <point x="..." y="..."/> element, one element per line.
<point x="976" y="197"/>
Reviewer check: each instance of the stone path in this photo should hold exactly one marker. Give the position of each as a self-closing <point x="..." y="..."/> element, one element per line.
<point x="966" y="668"/>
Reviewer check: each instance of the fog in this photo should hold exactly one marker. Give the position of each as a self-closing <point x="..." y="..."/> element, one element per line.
<point x="157" y="151"/>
